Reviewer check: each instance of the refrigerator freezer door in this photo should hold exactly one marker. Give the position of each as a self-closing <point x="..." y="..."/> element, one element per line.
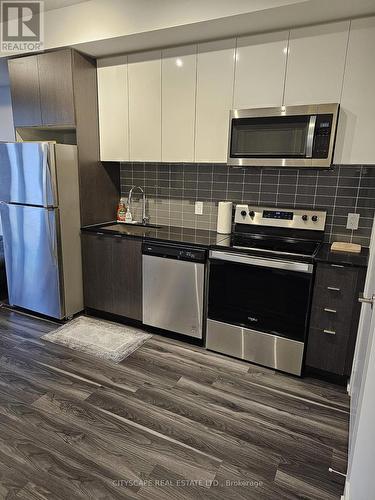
<point x="31" y="257"/>
<point x="27" y="173"/>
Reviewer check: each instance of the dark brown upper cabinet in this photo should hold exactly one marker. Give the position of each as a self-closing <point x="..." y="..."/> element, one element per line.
<point x="56" y="88"/>
<point x="24" y="81"/>
<point x="42" y="89"/>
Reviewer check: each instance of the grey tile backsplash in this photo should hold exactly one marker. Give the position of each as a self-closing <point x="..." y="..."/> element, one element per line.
<point x="172" y="190"/>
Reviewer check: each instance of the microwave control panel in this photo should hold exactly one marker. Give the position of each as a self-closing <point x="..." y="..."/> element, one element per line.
<point x="322" y="136"/>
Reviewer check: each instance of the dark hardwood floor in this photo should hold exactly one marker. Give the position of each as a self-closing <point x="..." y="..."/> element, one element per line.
<point x="172" y="421"/>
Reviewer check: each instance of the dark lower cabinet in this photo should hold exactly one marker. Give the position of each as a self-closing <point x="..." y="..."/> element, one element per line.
<point x="334" y="318"/>
<point x="112" y="274"/>
<point x="97" y="271"/>
<point x="127" y="277"/>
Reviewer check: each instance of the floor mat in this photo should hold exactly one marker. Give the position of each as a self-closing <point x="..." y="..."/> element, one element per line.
<point x="100" y="338"/>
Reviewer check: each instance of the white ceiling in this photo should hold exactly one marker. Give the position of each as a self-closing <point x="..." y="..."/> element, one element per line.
<point x="107" y="27"/>
<point x="59" y="4"/>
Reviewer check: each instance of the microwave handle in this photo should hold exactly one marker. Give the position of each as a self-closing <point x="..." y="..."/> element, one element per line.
<point x="310" y="136"/>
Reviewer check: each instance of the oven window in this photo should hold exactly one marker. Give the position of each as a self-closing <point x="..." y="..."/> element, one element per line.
<point x="265" y="299"/>
<point x="279" y="137"/>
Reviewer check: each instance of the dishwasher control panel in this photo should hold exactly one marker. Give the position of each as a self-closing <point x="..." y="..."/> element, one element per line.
<point x="178" y="252"/>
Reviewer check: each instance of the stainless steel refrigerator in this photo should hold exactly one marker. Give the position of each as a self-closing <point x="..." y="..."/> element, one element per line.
<point x="40" y="214"/>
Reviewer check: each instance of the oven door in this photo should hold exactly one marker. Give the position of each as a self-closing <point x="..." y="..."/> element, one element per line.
<point x="266" y="295"/>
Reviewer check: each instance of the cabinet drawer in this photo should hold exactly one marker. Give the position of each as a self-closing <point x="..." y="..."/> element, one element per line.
<point x="327" y="351"/>
<point x="331" y="310"/>
<point x="338" y="322"/>
<point x="335" y="281"/>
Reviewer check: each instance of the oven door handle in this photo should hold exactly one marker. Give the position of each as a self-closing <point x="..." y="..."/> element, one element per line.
<point x="285" y="265"/>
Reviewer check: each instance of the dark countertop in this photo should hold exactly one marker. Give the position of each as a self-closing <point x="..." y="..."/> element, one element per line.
<point x="198" y="237"/>
<point x="207" y="239"/>
<point x="342" y="258"/>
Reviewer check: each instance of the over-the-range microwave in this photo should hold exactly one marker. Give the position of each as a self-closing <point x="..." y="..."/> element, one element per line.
<point x="287" y="136"/>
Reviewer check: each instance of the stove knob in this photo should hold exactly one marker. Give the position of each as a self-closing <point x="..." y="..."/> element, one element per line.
<point x="305" y="217"/>
<point x="252" y="214"/>
<point x="314" y="218"/>
<point x="243" y="213"/>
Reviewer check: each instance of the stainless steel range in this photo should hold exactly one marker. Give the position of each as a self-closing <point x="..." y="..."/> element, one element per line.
<point x="260" y="286"/>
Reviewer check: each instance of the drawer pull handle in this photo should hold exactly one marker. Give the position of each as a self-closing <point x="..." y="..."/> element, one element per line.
<point x="330" y="310"/>
<point x="333" y="288"/>
<point x="330" y="332"/>
<point x="336" y="265"/>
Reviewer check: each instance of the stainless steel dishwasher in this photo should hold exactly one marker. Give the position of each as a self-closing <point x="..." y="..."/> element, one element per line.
<point x="173" y="287"/>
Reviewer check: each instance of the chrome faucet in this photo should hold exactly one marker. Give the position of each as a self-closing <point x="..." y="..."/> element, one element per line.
<point x="145" y="218"/>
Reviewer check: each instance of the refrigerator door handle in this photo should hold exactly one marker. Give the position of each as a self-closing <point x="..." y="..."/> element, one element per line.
<point x="45" y="172"/>
<point x="51" y="239"/>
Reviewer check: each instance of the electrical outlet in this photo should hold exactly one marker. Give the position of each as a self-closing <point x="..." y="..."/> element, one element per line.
<point x="352" y="221"/>
<point x="199" y="208"/>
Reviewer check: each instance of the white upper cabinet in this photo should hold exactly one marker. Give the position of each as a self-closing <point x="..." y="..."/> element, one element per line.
<point x="355" y="136"/>
<point x="215" y="78"/>
<point x="316" y="61"/>
<point x="179" y="71"/>
<point x="260" y="70"/>
<point x="113" y="108"/>
<point x="144" y="77"/>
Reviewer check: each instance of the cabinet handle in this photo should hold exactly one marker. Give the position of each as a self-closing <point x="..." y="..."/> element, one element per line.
<point x="100" y="234"/>
<point x="336" y="265"/>
<point x="330" y="332"/>
<point x="333" y="288"/>
<point x="117" y="235"/>
<point x="366" y="300"/>
<point x="330" y="310"/>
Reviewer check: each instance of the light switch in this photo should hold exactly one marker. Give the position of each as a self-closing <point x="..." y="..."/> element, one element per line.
<point x="199" y="208"/>
<point x="352" y="221"/>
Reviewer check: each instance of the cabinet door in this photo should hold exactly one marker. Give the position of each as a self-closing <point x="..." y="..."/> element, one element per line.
<point x="316" y="61"/>
<point x="24" y="83"/>
<point x="215" y="77"/>
<point x="113" y="108"/>
<point x="144" y="73"/>
<point x="179" y="69"/>
<point x="56" y="88"/>
<point x="260" y="70"/>
<point x="355" y="136"/>
<point x="127" y="278"/>
<point x="97" y="271"/>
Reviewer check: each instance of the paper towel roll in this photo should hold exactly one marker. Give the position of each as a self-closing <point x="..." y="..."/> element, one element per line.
<point x="224" y="217"/>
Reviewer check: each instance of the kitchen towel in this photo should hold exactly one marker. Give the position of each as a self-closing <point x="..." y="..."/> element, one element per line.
<point x="224" y="217"/>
